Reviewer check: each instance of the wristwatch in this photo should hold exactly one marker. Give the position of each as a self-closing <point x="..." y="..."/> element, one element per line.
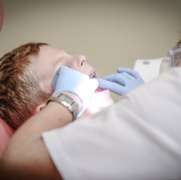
<point x="66" y="101"/>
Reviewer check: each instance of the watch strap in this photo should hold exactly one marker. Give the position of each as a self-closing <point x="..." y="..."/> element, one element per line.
<point x="66" y="101"/>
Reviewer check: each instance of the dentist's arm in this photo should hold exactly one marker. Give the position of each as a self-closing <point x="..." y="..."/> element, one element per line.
<point x="121" y="83"/>
<point x="26" y="156"/>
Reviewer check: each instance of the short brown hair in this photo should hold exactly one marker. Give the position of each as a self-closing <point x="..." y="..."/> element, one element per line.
<point x="20" y="91"/>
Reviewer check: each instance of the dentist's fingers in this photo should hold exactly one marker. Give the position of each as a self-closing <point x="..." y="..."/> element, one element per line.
<point x="129" y="71"/>
<point x="112" y="86"/>
<point x="128" y="76"/>
<point x="117" y="78"/>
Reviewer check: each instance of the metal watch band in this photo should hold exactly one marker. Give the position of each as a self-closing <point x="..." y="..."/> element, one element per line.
<point x="66" y="101"/>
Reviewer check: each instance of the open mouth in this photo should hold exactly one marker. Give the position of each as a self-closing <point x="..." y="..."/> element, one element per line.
<point x="94" y="75"/>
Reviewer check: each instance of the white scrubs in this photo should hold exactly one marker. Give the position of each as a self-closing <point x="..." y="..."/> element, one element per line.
<point x="138" y="138"/>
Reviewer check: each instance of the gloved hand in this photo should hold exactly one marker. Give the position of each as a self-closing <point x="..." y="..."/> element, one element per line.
<point x="125" y="81"/>
<point x="69" y="80"/>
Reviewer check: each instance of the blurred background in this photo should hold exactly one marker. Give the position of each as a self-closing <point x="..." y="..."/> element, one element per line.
<point x="111" y="33"/>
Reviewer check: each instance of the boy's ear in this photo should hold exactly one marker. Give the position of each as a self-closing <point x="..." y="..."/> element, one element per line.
<point x="40" y="107"/>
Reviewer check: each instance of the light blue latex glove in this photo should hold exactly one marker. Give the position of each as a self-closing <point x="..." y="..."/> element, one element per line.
<point x="69" y="80"/>
<point x="125" y="81"/>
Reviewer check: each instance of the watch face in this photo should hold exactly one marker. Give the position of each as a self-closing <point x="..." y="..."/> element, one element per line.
<point x="65" y="98"/>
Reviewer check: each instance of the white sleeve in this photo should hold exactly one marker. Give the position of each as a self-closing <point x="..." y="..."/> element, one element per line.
<point x="137" y="138"/>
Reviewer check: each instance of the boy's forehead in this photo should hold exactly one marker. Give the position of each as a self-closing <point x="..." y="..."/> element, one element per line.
<point x="50" y="50"/>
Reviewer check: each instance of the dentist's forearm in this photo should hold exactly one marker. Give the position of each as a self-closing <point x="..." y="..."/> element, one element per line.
<point x="26" y="156"/>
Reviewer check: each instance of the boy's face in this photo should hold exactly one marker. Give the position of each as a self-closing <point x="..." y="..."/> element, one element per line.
<point x="50" y="59"/>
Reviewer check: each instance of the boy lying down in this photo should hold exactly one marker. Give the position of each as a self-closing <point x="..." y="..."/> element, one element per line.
<point x="25" y="83"/>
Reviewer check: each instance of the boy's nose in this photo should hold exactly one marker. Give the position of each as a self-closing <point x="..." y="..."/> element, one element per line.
<point x="80" y="60"/>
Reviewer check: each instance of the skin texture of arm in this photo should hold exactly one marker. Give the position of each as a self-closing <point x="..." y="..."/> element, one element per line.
<point x="26" y="156"/>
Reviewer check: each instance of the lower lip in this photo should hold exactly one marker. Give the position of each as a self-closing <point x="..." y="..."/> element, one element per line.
<point x="100" y="90"/>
